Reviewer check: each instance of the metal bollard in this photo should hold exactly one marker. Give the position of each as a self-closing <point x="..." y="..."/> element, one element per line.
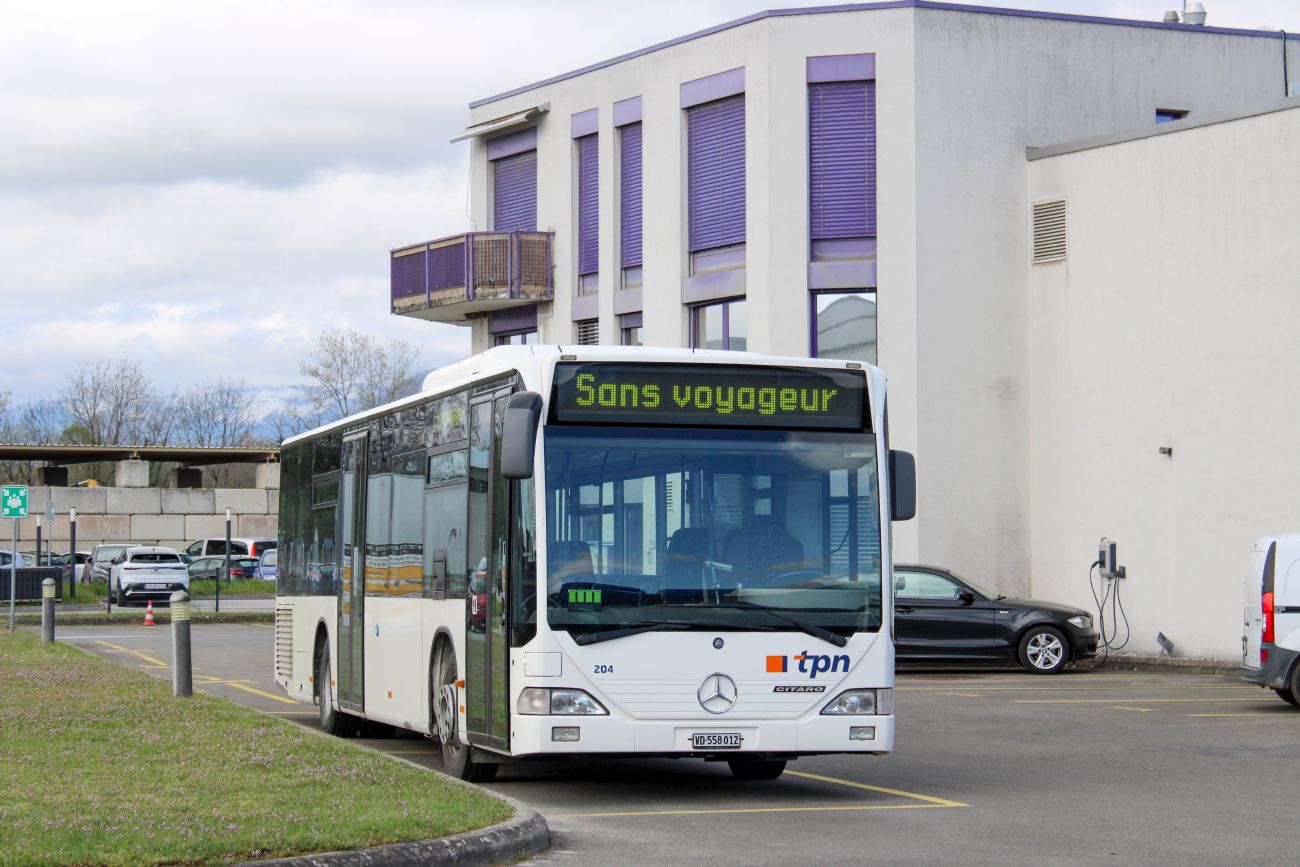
<point x="182" y="676"/>
<point x="47" y="610"/>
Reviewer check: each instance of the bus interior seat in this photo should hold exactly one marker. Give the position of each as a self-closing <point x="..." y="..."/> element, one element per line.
<point x="763" y="544"/>
<point x="688" y="548"/>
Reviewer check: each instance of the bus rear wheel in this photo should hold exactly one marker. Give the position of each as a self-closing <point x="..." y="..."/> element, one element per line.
<point x="332" y="721"/>
<point x="456" y="757"/>
<point x="744" y="769"/>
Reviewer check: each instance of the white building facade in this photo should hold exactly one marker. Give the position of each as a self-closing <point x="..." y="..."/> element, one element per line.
<point x="848" y="182"/>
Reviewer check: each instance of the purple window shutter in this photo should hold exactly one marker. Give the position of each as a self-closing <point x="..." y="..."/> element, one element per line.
<point x="588" y="206"/>
<point x="715" y="135"/>
<point x="514" y="193"/>
<point x="842" y="159"/>
<point x="630" y="196"/>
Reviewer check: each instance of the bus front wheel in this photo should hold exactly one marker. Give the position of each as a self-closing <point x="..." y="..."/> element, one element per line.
<point x="742" y="769"/>
<point x="455" y="755"/>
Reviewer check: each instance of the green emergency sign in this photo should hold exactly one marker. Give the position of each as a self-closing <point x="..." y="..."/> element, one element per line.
<point x="13" y="501"/>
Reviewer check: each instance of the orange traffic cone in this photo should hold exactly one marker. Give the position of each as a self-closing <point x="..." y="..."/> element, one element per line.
<point x="148" y="615"/>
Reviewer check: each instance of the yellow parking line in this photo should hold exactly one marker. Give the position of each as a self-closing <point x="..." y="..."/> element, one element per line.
<point x="114" y="646"/>
<point x="409" y="752"/>
<point x="239" y="685"/>
<point x="938" y="802"/>
<point x="756" y="810"/>
<point x="1104" y="700"/>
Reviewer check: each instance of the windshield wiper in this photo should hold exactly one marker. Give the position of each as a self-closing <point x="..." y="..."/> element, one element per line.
<point x="655" y="625"/>
<point x="812" y="629"/>
<point x="611" y="634"/>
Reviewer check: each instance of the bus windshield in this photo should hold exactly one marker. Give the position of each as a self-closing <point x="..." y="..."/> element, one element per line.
<point x="675" y="526"/>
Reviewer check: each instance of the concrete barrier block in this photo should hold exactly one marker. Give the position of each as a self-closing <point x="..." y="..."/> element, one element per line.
<point x="206" y="527"/>
<point x="157" y="526"/>
<point x="131" y="474"/>
<point x="267" y="476"/>
<point x="134" y="501"/>
<point x="87" y="501"/>
<point x="258" y="526"/>
<point x="114" y="528"/>
<point x="188" y="502"/>
<point x="242" y="501"/>
<point x="176" y="544"/>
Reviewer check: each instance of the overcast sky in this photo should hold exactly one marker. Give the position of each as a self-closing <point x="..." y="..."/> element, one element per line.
<point x="203" y="187"/>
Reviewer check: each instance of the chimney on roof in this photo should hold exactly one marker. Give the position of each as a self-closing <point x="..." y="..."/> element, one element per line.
<point x="1171" y="17"/>
<point x="1193" y="13"/>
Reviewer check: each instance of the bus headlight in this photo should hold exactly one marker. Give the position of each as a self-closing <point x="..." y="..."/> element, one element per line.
<point x="861" y="701"/>
<point x="562" y="702"/>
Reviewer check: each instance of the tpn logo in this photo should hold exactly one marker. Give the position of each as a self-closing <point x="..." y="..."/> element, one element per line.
<point x="809" y="663"/>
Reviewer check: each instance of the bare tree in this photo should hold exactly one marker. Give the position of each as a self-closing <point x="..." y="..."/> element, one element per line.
<point x="113" y="403"/>
<point x="217" y="415"/>
<point x="351" y="372"/>
<point x="38" y="422"/>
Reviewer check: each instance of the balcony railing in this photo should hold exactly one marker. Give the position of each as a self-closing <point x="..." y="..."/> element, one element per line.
<point x="478" y="271"/>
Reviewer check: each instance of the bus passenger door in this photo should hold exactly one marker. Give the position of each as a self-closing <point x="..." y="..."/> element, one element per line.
<point x="350" y="668"/>
<point x="486" y="645"/>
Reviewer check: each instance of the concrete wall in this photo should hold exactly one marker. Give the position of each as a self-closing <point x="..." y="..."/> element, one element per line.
<point x="1171" y="324"/>
<point x="959" y="96"/>
<point x="150" y="516"/>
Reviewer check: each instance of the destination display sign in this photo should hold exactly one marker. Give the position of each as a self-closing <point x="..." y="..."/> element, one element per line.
<point x="714" y="395"/>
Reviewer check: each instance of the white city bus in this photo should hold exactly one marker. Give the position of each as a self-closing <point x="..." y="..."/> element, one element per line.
<point x="600" y="551"/>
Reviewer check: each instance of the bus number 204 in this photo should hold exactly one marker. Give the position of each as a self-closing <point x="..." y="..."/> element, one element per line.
<point x="603" y="669"/>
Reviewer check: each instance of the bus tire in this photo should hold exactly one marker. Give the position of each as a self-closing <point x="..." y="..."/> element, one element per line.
<point x="1044" y="650"/>
<point x="456" y="756"/>
<point x="746" y="769"/>
<point x="332" y="720"/>
<point x="1293" y="686"/>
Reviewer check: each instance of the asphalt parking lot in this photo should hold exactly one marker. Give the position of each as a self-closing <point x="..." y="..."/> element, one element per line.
<point x="990" y="767"/>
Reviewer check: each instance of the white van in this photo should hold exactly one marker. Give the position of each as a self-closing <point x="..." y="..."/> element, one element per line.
<point x="1270" y="642"/>
<point x="242" y="547"/>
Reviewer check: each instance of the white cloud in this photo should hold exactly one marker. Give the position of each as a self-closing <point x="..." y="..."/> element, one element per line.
<point x="205" y="186"/>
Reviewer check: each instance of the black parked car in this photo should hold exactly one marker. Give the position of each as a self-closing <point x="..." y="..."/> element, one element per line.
<point x="941" y="617"/>
<point x="241" y="568"/>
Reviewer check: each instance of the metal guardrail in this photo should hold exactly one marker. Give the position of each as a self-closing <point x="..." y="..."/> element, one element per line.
<point x="434" y="279"/>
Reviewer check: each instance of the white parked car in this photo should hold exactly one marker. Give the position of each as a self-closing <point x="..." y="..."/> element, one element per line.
<point x="7" y="559"/>
<point x="142" y="573"/>
<point x="1270" y="641"/>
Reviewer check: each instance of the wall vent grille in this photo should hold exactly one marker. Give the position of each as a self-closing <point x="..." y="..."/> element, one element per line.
<point x="588" y="332"/>
<point x="1050" y="235"/>
<point x="284" y="642"/>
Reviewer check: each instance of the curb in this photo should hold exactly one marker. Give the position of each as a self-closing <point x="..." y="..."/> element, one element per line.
<point x="1178" y="664"/>
<point x="521" y="837"/>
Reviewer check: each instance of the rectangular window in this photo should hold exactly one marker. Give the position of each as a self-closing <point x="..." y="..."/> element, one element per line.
<point x="630" y="325"/>
<point x="588" y="332"/>
<point x="588" y="214"/>
<point x="842" y="168"/>
<point x="720" y="326"/>
<point x="406" y="549"/>
<point x="1165" y="115"/>
<point x="444" y="541"/>
<point x="629" y="197"/>
<point x="514" y="193"/>
<point x="517" y="338"/>
<point x="450" y="466"/>
<point x="715" y="144"/>
<point x="844" y="326"/>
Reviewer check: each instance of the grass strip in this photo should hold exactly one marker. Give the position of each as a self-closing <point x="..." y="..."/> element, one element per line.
<point x="208" y="587"/>
<point x="101" y="766"/>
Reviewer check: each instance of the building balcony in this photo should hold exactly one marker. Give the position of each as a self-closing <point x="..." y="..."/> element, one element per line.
<point x="450" y="279"/>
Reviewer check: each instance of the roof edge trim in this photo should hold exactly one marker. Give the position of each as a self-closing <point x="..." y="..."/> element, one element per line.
<point x="886" y="4"/>
<point x="1173" y="126"/>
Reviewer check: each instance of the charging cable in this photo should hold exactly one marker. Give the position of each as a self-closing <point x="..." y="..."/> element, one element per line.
<point x="1109" y="596"/>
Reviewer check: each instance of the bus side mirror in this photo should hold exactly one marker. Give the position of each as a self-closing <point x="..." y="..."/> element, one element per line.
<point x="519" y="434"/>
<point x="902" y="486"/>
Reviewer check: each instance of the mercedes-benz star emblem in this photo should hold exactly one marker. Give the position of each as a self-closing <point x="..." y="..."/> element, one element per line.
<point x="717" y="693"/>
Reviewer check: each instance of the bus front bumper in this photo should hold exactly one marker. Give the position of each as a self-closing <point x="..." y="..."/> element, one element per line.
<point x="554" y="735"/>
